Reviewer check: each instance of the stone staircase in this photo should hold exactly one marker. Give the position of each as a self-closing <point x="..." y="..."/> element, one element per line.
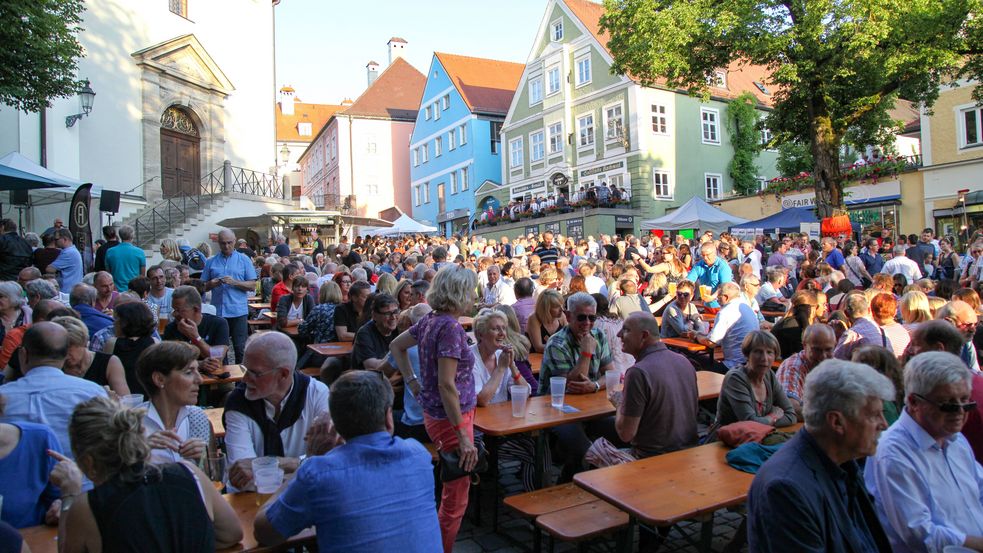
<point x="173" y="218"/>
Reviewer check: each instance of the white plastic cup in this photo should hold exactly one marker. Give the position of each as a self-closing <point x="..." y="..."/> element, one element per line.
<point x="612" y="381"/>
<point x="558" y="389"/>
<point x="268" y="480"/>
<point x="260" y="463"/>
<point x="215" y="352"/>
<point x="131" y="400"/>
<point x="520" y="395"/>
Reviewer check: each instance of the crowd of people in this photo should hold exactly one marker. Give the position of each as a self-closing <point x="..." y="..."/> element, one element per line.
<point x="854" y="339"/>
<point x="595" y="195"/>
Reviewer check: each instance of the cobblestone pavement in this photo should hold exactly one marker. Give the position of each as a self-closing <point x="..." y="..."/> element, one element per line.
<point x="515" y="534"/>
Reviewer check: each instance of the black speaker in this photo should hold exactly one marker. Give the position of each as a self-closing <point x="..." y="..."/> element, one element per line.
<point x="109" y="201"/>
<point x="19" y="197"/>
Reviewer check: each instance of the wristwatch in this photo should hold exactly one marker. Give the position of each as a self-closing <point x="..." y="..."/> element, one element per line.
<point x="597" y="386"/>
<point x="66" y="503"/>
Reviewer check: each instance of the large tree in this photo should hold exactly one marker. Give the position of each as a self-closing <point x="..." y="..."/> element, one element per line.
<point x="837" y="66"/>
<point x="39" y="50"/>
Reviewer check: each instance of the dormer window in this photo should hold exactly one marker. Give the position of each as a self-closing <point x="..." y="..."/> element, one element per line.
<point x="304" y="129"/>
<point x="718" y="79"/>
<point x="762" y="88"/>
<point x="556" y="30"/>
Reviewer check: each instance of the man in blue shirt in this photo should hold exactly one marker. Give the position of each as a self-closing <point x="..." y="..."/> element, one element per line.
<point x="83" y="299"/>
<point x="709" y="271"/>
<point x="809" y="496"/>
<point x="373" y="493"/>
<point x="833" y="254"/>
<point x="126" y="261"/>
<point x="46" y="395"/>
<point x="230" y="275"/>
<point x="68" y="264"/>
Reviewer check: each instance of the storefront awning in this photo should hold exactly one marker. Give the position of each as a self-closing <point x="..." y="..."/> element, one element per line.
<point x="893" y="198"/>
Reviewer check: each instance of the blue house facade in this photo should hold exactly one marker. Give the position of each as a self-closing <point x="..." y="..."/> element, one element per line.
<point x="456" y="146"/>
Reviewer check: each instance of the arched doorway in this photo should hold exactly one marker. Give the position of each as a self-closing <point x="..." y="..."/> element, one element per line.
<point x="180" y="154"/>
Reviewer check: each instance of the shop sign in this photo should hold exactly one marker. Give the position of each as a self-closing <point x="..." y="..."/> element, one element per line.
<point x="553" y="227"/>
<point x="575" y="228"/>
<point x="559" y="180"/>
<point x="624" y="220"/>
<point x="854" y="194"/>
<point x="534" y="229"/>
<point x="528" y="188"/>
<point x="602" y="169"/>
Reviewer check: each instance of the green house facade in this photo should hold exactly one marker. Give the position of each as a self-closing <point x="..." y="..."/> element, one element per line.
<point x="573" y="124"/>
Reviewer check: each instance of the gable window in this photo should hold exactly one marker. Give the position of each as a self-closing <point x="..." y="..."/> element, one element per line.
<point x="556" y="138"/>
<point x="613" y="122"/>
<point x="454" y="182"/>
<point x="495" y="132"/>
<point x="445" y="102"/>
<point x="583" y="70"/>
<point x="709" y="119"/>
<point x="426" y="113"/>
<point x="712" y="185"/>
<point x="424" y="153"/>
<point x="515" y="153"/>
<point x="462" y="134"/>
<point x="556" y="30"/>
<point x="971" y="121"/>
<point x="304" y="129"/>
<point x="179" y="7"/>
<point x="766" y="137"/>
<point x="451" y="141"/>
<point x="585" y="131"/>
<point x="464" y="178"/>
<point x="535" y="91"/>
<point x="436" y="111"/>
<point x="438" y="146"/>
<point x="537" y="146"/>
<point x="553" y="80"/>
<point x="660" y="184"/>
<point x="370" y="147"/>
<point x="660" y="122"/>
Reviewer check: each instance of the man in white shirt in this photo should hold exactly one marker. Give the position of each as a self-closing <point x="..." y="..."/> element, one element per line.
<point x="900" y="264"/>
<point x="751" y="255"/>
<point x="160" y="295"/>
<point x="497" y="291"/>
<point x="279" y="413"/>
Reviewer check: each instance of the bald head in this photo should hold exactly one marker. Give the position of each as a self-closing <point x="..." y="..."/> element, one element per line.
<point x="644" y="322"/>
<point x="275" y="349"/>
<point x="44" y="344"/>
<point x="818" y="342"/>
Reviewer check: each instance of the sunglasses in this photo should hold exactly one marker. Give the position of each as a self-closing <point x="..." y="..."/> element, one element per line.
<point x="949" y="407"/>
<point x="583" y="317"/>
<point x="684" y="294"/>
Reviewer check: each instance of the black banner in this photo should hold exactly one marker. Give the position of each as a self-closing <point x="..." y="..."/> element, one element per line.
<point x="80" y="225"/>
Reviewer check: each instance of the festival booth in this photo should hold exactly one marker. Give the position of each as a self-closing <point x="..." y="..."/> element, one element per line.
<point x="696" y="215"/>
<point x="401" y="226"/>
<point x="793" y="220"/>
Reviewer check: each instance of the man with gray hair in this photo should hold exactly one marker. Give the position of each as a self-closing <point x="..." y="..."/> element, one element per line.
<point x="230" y="275"/>
<point x="83" y="299"/>
<point x="927" y="486"/>
<point x="276" y="413"/>
<point x="809" y="495"/>
<point x="863" y="330"/>
<point x="126" y="261"/>
<point x="732" y="323"/>
<point x="964" y="318"/>
<point x="38" y="290"/>
<point x="901" y="265"/>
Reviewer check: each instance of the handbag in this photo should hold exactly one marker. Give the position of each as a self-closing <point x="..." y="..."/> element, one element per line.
<point x="450" y="464"/>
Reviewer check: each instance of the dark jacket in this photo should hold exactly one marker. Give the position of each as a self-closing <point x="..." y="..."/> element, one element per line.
<point x="15" y="254"/>
<point x="283" y="308"/>
<point x="800" y="501"/>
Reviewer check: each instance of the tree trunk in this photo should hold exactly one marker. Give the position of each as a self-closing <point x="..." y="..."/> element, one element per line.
<point x="826" y="157"/>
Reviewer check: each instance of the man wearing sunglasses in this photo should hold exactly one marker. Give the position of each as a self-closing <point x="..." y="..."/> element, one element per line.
<point x="927" y="487"/>
<point x="964" y="318"/>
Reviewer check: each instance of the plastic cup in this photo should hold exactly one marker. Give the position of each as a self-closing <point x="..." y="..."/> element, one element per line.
<point x="558" y="388"/>
<point x="268" y="480"/>
<point x="131" y="400"/>
<point x="672" y="288"/>
<point x="260" y="463"/>
<point x="705" y="291"/>
<point x="612" y="381"/>
<point x="520" y="395"/>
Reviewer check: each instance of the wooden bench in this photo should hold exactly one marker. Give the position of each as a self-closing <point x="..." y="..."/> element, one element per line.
<point x="572" y="522"/>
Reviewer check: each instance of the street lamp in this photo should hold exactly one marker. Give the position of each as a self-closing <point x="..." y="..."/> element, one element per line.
<point x="86" y="97"/>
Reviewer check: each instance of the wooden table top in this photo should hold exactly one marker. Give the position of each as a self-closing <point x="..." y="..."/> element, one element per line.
<point x="215" y="417"/>
<point x="708" y="384"/>
<point x="773" y="314"/>
<point x="43" y="539"/>
<point x="535" y="362"/>
<point x="665" y="489"/>
<point x="466" y="322"/>
<point x="235" y="375"/>
<point x="684" y="343"/>
<point x="332" y="349"/>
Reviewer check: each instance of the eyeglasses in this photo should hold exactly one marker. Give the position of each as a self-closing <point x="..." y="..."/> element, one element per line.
<point x="392" y="313"/>
<point x="684" y="294"/>
<point x="949" y="407"/>
<point x="246" y="371"/>
<point x="346" y="282"/>
<point x="583" y="317"/>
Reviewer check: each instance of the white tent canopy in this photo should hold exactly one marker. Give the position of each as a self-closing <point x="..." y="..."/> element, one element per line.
<point x="404" y="225"/>
<point x="694" y="214"/>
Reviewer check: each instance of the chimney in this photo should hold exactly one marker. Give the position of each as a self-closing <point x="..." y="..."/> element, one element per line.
<point x="347" y="102"/>
<point x="397" y="48"/>
<point x="372" y="71"/>
<point x="287" y="100"/>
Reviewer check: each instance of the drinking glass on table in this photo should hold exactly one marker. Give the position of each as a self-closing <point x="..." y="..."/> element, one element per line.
<point x="520" y="394"/>
<point x="612" y="382"/>
<point x="215" y="466"/>
<point x="268" y="481"/>
<point x="558" y="389"/>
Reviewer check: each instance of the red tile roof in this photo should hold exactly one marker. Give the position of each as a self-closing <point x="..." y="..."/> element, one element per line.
<point x="487" y="86"/>
<point x="315" y="114"/>
<point x="395" y="94"/>
<point x="741" y="75"/>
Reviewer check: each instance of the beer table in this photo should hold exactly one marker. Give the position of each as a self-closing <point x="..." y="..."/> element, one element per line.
<point x="215" y="418"/>
<point x="535" y="362"/>
<point x="44" y="539"/>
<point x="289" y="330"/>
<point x="332" y="349"/>
<point x="666" y="489"/>
<point x="466" y="322"/>
<point x="207" y="381"/>
<point x="708" y="384"/>
<point x="685" y="344"/>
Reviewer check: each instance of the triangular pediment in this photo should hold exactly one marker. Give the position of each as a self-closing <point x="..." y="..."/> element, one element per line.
<point x="184" y="58"/>
<point x="488" y="187"/>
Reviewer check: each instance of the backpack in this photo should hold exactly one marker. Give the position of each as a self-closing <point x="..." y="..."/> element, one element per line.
<point x="194" y="258"/>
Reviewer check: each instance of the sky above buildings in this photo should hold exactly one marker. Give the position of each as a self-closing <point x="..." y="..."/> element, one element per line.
<point x="322" y="46"/>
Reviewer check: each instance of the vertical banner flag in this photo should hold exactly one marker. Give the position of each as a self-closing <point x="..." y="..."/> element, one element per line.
<point x="79" y="224"/>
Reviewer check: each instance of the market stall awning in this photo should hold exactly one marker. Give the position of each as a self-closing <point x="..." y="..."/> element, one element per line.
<point x="403" y="225"/>
<point x="694" y="214"/>
<point x="19" y="173"/>
<point x="303" y="218"/>
<point x="786" y="220"/>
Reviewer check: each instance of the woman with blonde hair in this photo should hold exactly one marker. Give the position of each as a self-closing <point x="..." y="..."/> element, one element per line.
<point x="95" y="366"/>
<point x="915" y="309"/>
<point x="935" y="303"/>
<point x="549" y="279"/>
<point x="134" y="503"/>
<point x="386" y="285"/>
<point x="521" y="346"/>
<point x="170" y="252"/>
<point x="404" y="294"/>
<point x="546" y="320"/>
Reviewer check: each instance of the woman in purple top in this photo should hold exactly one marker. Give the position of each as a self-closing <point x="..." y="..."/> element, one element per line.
<point x="445" y="388"/>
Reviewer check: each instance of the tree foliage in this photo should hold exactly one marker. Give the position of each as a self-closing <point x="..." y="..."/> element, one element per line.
<point x="793" y="158"/>
<point x="744" y="129"/>
<point x="836" y="66"/>
<point x="39" y="53"/>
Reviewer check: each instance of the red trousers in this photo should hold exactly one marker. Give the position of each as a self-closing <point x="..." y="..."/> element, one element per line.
<point x="454" y="496"/>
